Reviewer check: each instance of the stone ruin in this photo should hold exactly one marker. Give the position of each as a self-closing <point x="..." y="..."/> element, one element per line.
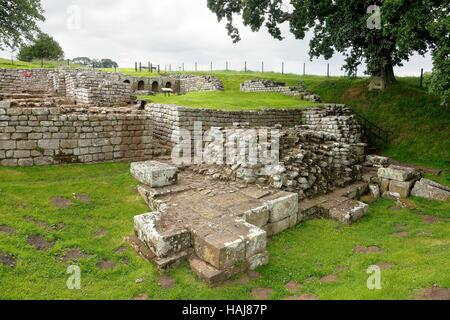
<point x="280" y="87"/>
<point x="216" y="216"/>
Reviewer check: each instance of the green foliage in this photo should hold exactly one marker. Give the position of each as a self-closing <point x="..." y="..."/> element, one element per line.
<point x="440" y="79"/>
<point x="303" y="254"/>
<point x="84" y="61"/>
<point x="18" y="22"/>
<point x="342" y="26"/>
<point x="44" y="47"/>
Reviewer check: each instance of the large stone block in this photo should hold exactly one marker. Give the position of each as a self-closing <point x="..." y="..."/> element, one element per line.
<point x="282" y="206"/>
<point x="277" y="227"/>
<point x="165" y="238"/>
<point x="397" y="173"/>
<point x="431" y="190"/>
<point x="258" y="260"/>
<point x="254" y="237"/>
<point x="258" y="216"/>
<point x="403" y="188"/>
<point x="154" y="174"/>
<point x="220" y="249"/>
<point x="349" y="211"/>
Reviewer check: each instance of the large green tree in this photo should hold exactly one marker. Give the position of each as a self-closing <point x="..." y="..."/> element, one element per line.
<point x="18" y="22"/>
<point x="44" y="47"/>
<point x="349" y="27"/>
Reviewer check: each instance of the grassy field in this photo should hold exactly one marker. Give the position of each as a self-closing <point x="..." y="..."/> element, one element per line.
<point x="416" y="259"/>
<point x="8" y="64"/>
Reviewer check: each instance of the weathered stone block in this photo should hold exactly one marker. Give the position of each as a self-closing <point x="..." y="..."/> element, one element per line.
<point x="375" y="191"/>
<point x="254" y="237"/>
<point x="397" y="173"/>
<point x="258" y="260"/>
<point x="403" y="188"/>
<point x="163" y="237"/>
<point x="277" y="227"/>
<point x="154" y="174"/>
<point x="258" y="217"/>
<point x="349" y="211"/>
<point x="284" y="205"/>
<point x="428" y="189"/>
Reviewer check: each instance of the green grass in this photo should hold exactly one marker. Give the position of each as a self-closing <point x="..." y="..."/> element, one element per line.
<point x="8" y="64"/>
<point x="303" y="254"/>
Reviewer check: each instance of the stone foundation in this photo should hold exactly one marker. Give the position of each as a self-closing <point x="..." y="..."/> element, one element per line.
<point x="279" y="87"/>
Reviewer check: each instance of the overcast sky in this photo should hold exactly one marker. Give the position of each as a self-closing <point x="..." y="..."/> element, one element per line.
<point x="176" y="31"/>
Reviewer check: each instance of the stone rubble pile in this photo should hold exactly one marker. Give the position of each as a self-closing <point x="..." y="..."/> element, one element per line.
<point x="280" y="87"/>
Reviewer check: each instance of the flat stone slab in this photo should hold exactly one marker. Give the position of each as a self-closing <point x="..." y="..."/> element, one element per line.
<point x="154" y="174"/>
<point x="431" y="190"/>
<point x="397" y="173"/>
<point x="403" y="188"/>
<point x="349" y="211"/>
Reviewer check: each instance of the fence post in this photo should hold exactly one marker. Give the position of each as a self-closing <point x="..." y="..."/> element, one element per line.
<point x="282" y="68"/>
<point x="328" y="70"/>
<point x="12" y="60"/>
<point x="421" y="77"/>
<point x="195" y="66"/>
<point x="211" y="66"/>
<point x="304" y="69"/>
<point x="140" y="66"/>
<point x="159" y="68"/>
<point x="245" y="67"/>
<point x="182" y="66"/>
<point x="226" y="67"/>
<point x="262" y="67"/>
<point x="170" y="67"/>
<point x="135" y="67"/>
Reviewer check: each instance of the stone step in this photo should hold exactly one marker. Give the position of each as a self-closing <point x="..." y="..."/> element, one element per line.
<point x="162" y="234"/>
<point x="348" y="211"/>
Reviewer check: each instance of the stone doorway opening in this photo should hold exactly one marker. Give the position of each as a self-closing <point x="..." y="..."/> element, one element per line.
<point x="141" y="85"/>
<point x="155" y="86"/>
<point x="168" y="85"/>
<point x="126" y="81"/>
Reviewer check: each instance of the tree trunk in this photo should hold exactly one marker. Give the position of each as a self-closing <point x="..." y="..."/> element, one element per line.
<point x="384" y="77"/>
<point x="387" y="74"/>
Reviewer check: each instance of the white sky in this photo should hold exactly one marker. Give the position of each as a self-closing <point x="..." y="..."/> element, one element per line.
<point x="176" y="31"/>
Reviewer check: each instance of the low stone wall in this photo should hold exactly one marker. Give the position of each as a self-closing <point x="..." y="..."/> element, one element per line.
<point x="168" y="118"/>
<point x="26" y="80"/>
<point x="199" y="83"/>
<point x="48" y="134"/>
<point x="336" y="120"/>
<point x="279" y="87"/>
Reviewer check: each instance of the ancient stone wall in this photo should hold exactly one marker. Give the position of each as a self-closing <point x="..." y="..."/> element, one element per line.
<point x="199" y="83"/>
<point x="168" y="118"/>
<point x="46" y="133"/>
<point x="279" y="87"/>
<point x="25" y="80"/>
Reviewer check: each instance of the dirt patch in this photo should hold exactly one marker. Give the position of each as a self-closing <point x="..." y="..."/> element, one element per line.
<point x="121" y="249"/>
<point x="400" y="226"/>
<point x="140" y="297"/>
<point x="303" y="297"/>
<point x="254" y="274"/>
<point x="166" y="282"/>
<point x="430" y="219"/>
<point x="292" y="286"/>
<point x="384" y="265"/>
<point x="262" y="293"/>
<point x="100" y="233"/>
<point x="74" y="255"/>
<point x="371" y="249"/>
<point x="61" y="202"/>
<point x="7" y="230"/>
<point x="402" y="234"/>
<point x="353" y="93"/>
<point x="40" y="243"/>
<point x="105" y="265"/>
<point x="8" y="260"/>
<point x="332" y="278"/>
<point x="433" y="293"/>
<point x="82" y="197"/>
<point x="45" y="226"/>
